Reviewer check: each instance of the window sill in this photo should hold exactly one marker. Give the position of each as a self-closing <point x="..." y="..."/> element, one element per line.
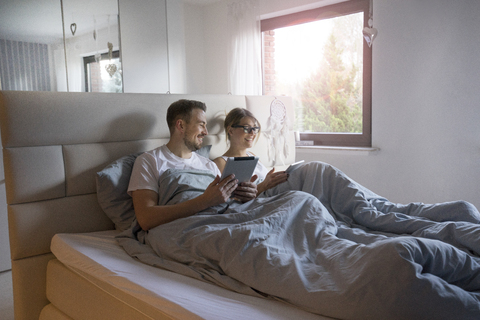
<point x="316" y="149"/>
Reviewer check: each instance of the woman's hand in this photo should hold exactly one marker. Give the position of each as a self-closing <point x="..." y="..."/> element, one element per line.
<point x="271" y="180"/>
<point x="246" y="191"/>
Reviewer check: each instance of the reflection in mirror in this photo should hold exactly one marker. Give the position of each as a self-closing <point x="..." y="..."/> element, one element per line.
<point x="31" y="46"/>
<point x="92" y="46"/>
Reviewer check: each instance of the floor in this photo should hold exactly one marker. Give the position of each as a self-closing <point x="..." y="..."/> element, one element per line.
<point x="6" y="295"/>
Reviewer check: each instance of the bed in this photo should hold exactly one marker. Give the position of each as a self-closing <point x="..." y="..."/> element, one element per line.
<point x="319" y="245"/>
<point x="53" y="145"/>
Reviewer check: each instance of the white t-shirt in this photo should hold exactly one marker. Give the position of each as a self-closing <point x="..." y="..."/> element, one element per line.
<point x="150" y="165"/>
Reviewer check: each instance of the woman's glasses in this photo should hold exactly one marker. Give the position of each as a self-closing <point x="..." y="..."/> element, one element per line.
<point x="248" y="129"/>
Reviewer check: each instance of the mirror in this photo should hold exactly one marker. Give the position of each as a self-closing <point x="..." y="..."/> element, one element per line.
<point x="35" y="56"/>
<point x="31" y="46"/>
<point x="92" y="46"/>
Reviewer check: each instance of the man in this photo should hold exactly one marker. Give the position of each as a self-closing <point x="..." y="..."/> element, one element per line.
<point x="187" y="123"/>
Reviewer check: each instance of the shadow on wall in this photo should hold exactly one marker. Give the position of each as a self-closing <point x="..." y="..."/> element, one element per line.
<point x="138" y="125"/>
<point x="83" y="161"/>
<point x="141" y="136"/>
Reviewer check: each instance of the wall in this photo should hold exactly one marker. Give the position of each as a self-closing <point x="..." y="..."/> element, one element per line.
<point x="153" y="46"/>
<point x="194" y="49"/>
<point x="425" y="97"/>
<point x="216" y="48"/>
<point x="176" y="46"/>
<point x="144" y="51"/>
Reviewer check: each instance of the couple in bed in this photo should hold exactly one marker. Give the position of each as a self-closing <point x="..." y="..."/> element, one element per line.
<point x="187" y="123"/>
<point x="315" y="239"/>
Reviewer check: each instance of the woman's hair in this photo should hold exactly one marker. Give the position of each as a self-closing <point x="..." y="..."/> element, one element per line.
<point x="234" y="117"/>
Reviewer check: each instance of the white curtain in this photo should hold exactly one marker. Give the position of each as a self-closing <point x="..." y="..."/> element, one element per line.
<point x="24" y="66"/>
<point x="245" y="73"/>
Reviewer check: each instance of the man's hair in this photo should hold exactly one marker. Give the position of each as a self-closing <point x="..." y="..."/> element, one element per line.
<point x="234" y="117"/>
<point x="182" y="109"/>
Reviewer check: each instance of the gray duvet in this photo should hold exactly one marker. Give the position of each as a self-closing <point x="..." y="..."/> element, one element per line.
<point x="325" y="244"/>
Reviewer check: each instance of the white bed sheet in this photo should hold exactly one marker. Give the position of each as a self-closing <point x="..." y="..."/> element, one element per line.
<point x="98" y="255"/>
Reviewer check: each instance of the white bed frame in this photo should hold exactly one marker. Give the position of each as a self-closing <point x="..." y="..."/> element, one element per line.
<point x="53" y="143"/>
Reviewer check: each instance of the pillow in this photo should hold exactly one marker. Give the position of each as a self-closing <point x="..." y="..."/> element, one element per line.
<point x="205" y="151"/>
<point x="112" y="185"/>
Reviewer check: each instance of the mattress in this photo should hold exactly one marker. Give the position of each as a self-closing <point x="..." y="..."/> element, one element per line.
<point x="97" y="259"/>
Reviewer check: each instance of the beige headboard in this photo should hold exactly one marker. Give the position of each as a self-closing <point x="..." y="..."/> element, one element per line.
<point x="53" y="143"/>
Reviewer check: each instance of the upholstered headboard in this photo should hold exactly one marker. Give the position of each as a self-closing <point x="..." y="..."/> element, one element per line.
<point x="53" y="143"/>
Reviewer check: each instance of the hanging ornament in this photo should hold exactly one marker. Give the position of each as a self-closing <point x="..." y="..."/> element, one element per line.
<point x="111" y="67"/>
<point x="73" y="28"/>
<point x="369" y="33"/>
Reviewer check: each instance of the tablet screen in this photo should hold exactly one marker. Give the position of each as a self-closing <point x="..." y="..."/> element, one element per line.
<point x="242" y="167"/>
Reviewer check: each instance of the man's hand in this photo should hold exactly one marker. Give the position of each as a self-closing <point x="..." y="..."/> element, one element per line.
<point x="219" y="192"/>
<point x="246" y="191"/>
<point x="149" y="214"/>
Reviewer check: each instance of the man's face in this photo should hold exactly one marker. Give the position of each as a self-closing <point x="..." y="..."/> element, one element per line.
<point x="195" y="130"/>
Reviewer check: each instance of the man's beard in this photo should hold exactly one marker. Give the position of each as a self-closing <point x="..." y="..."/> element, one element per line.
<point x="192" y="145"/>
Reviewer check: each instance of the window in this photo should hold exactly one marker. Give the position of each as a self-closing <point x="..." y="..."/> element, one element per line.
<point x="97" y="77"/>
<point x="319" y="58"/>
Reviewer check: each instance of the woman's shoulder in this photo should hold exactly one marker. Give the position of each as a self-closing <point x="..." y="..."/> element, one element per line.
<point x="220" y="162"/>
<point x="221" y="158"/>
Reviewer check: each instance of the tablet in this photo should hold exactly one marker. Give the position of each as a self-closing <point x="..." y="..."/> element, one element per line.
<point x="242" y="167"/>
<point x="293" y="166"/>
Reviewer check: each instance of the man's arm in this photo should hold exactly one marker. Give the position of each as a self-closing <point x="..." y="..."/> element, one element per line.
<point x="149" y="214"/>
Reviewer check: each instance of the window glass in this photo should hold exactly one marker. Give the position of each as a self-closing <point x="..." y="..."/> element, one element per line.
<point x="104" y="75"/>
<point x="321" y="64"/>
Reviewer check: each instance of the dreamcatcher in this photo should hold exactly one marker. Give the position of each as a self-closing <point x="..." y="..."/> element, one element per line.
<point x="277" y="132"/>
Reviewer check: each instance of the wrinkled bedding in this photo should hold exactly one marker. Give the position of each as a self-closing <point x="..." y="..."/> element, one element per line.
<point x="325" y="244"/>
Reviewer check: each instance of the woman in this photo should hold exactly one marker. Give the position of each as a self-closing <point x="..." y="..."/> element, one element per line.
<point x="241" y="128"/>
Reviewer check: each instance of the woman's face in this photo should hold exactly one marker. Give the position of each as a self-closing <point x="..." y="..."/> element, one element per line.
<point x="239" y="138"/>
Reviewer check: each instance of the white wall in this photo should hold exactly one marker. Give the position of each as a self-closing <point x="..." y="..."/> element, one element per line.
<point x="194" y="49"/>
<point x="143" y="35"/>
<point x="176" y="46"/>
<point x="153" y="46"/>
<point x="426" y="90"/>
<point x="216" y="48"/>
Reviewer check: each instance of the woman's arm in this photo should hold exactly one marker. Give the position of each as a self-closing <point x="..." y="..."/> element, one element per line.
<point x="271" y="180"/>
<point x="220" y="162"/>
